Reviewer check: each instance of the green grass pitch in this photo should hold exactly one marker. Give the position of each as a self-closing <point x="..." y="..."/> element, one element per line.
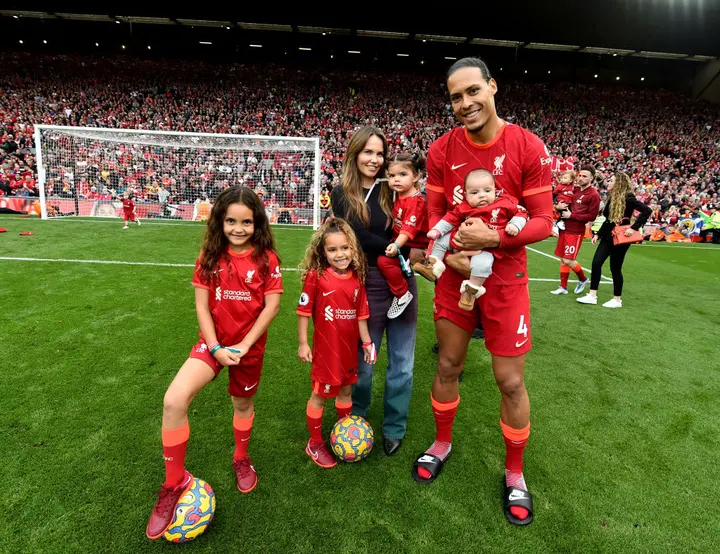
<point x="625" y="411"/>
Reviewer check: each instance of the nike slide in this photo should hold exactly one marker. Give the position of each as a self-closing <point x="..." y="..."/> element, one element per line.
<point x="430" y="462"/>
<point x="517" y="497"/>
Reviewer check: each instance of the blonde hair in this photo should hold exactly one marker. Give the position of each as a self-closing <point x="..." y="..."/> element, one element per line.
<point x="570" y="171"/>
<point x="315" y="257"/>
<point x="351" y="180"/>
<point x="618" y="196"/>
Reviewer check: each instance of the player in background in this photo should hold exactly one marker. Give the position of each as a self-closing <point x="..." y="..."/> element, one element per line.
<point x="563" y="194"/>
<point x="520" y="164"/>
<point x="409" y="226"/>
<point x="497" y="211"/>
<point x="333" y="295"/>
<point x="129" y="209"/>
<point x="583" y="209"/>
<point x="238" y="285"/>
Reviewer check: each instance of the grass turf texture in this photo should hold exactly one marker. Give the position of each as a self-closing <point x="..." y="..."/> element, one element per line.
<point x="621" y="457"/>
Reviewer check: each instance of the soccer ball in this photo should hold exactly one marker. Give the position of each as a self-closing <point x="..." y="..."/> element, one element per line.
<point x="193" y="513"/>
<point x="351" y="439"/>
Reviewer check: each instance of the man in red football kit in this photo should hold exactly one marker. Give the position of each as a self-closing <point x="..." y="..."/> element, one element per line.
<point x="520" y="164"/>
<point x="585" y="207"/>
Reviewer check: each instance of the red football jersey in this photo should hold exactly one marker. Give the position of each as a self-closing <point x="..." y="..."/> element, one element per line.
<point x="335" y="302"/>
<point x="238" y="298"/>
<point x="128" y="205"/>
<point x="564" y="193"/>
<point x="410" y="218"/>
<point x="520" y="164"/>
<point x="584" y="208"/>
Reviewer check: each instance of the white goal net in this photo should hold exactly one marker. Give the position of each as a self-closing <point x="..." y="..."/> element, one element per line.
<point x="85" y="171"/>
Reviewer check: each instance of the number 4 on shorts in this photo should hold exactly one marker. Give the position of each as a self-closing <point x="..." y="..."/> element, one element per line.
<point x="522" y="330"/>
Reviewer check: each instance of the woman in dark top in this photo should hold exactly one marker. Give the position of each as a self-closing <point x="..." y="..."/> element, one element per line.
<point x="365" y="201"/>
<point x="620" y="206"/>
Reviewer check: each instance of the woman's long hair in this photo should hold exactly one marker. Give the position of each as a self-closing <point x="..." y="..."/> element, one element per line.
<point x="618" y="196"/>
<point x="215" y="243"/>
<point x="352" y="178"/>
<point x="315" y="257"/>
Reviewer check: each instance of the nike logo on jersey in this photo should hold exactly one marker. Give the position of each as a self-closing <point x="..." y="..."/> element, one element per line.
<point x="454" y="167"/>
<point x="519" y="344"/>
<point x="328" y="293"/>
<point x="251" y="387"/>
<point x="517" y="495"/>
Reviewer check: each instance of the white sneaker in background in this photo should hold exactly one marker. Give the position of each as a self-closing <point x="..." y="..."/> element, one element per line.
<point x="559" y="290"/>
<point x="613" y="303"/>
<point x="587" y="299"/>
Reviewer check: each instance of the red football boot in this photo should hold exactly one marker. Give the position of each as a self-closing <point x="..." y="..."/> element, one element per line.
<point x="164" y="509"/>
<point x="246" y="476"/>
<point x="319" y="454"/>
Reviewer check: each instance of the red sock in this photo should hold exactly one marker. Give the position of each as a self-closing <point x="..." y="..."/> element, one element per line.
<point x="444" y="413"/>
<point x="515" y="441"/>
<point x="564" y="274"/>
<point x="242" y="427"/>
<point x="174" y="443"/>
<point x="314" y="423"/>
<point x="579" y="272"/>
<point x="343" y="410"/>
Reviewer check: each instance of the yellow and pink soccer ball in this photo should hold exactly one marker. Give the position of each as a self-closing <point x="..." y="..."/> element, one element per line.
<point x="351" y="439"/>
<point x="193" y="513"/>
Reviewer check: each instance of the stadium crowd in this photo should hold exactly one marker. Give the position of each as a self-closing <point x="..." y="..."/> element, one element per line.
<point x="667" y="143"/>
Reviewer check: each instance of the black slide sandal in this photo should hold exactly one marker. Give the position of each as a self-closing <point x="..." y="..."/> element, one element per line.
<point x="517" y="497"/>
<point x="430" y="462"/>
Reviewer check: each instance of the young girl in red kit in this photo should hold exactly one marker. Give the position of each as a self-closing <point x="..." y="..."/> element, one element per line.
<point x="238" y="285"/>
<point x="409" y="226"/>
<point x="333" y="295"/>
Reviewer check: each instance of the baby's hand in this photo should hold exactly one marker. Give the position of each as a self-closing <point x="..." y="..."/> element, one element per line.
<point x="391" y="251"/>
<point x="511" y="229"/>
<point x="433" y="234"/>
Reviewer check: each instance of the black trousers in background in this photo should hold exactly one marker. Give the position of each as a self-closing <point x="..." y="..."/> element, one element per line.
<point x="606" y="249"/>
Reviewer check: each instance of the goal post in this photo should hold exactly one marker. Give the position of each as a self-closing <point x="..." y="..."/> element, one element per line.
<point x="86" y="171"/>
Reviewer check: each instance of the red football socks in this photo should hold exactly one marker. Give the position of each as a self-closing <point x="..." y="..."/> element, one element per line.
<point x="444" y="413"/>
<point x="515" y="441"/>
<point x="314" y="423"/>
<point x="564" y="274"/>
<point x="174" y="443"/>
<point x="579" y="272"/>
<point x="242" y="427"/>
<point x="343" y="410"/>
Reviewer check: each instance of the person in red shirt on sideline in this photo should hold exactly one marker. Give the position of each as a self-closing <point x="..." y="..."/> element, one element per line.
<point x="238" y="285"/>
<point x="333" y="295"/>
<point x="409" y="226"/>
<point x="129" y="209"/>
<point x="584" y="208"/>
<point x="498" y="211"/>
<point x="520" y="163"/>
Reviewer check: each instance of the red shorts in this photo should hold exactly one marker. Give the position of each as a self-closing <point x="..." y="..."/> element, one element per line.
<point x="244" y="378"/>
<point x="504" y="311"/>
<point x="331" y="391"/>
<point x="129" y="216"/>
<point x="568" y="245"/>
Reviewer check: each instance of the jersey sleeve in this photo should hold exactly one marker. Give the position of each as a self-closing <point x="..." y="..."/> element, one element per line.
<point x="414" y="217"/>
<point x="362" y="307"/>
<point x="273" y="281"/>
<point x="198" y="280"/>
<point x="537" y="177"/>
<point x="435" y="186"/>
<point x="307" y="297"/>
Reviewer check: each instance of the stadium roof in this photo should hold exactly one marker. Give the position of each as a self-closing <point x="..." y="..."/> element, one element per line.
<point x="658" y="29"/>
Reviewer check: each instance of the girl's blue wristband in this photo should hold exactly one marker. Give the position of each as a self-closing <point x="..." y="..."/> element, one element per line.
<point x="216" y="348"/>
<point x="234" y="350"/>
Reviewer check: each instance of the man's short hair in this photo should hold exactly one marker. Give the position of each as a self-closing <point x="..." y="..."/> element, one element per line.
<point x="590" y="169"/>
